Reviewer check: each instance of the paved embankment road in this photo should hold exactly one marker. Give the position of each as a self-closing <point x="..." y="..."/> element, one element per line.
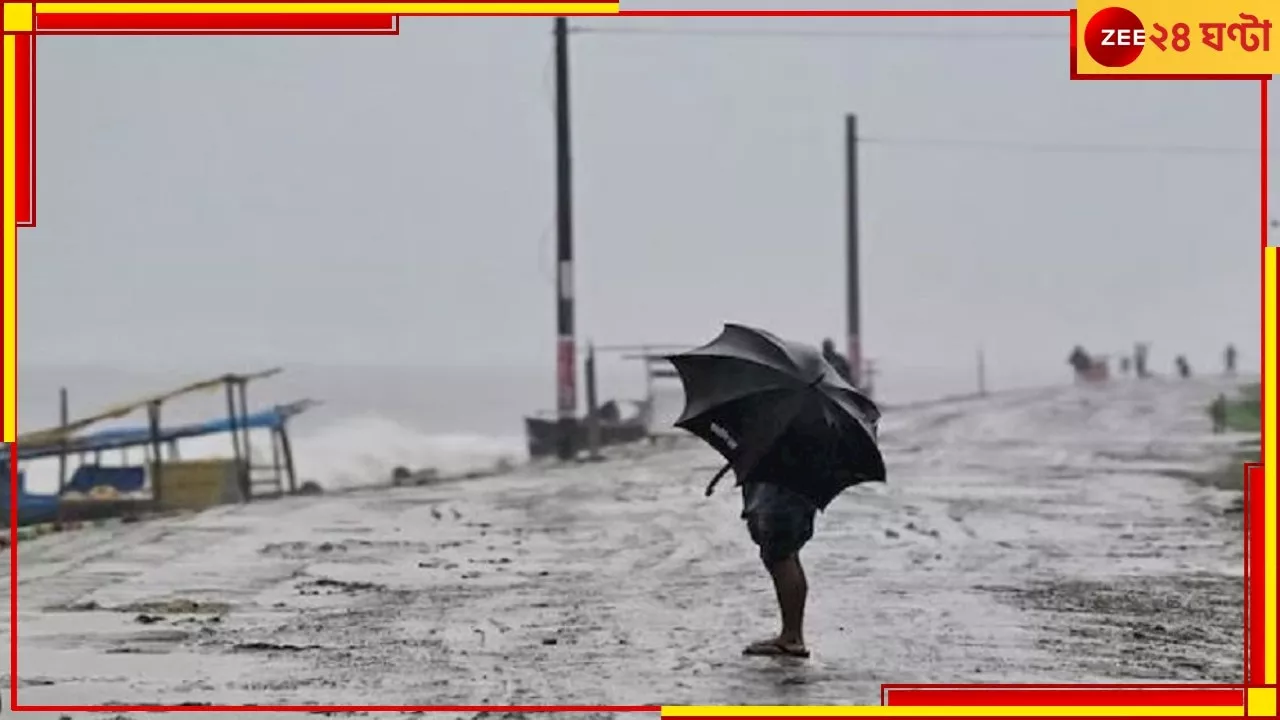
<point x="1033" y="536"/>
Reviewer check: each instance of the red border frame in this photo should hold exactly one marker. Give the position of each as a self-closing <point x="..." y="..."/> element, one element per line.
<point x="215" y="24"/>
<point x="1255" y="558"/>
<point x="895" y="694"/>
<point x="25" y="129"/>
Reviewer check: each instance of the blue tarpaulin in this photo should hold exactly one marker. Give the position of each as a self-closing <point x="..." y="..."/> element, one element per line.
<point x="116" y="438"/>
<point x="32" y="508"/>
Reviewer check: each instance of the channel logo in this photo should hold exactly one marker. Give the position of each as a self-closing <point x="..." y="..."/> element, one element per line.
<point x="1180" y="38"/>
<point x="1114" y="37"/>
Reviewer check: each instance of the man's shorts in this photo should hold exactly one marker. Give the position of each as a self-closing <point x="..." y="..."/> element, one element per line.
<point x="780" y="520"/>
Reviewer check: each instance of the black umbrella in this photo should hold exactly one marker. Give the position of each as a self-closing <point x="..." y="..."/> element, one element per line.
<point x="778" y="412"/>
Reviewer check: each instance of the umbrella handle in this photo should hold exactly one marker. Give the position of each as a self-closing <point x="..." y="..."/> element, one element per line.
<point x="711" y="486"/>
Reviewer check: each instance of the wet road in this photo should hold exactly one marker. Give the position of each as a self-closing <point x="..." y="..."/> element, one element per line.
<point x="1027" y="537"/>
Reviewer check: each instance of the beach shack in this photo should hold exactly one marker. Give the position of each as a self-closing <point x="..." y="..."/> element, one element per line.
<point x="129" y="470"/>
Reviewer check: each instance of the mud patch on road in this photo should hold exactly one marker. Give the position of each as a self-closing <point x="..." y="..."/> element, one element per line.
<point x="176" y="606"/>
<point x="148" y="608"/>
<point x="273" y="647"/>
<point x="354" y="550"/>
<point x="329" y="586"/>
<point x="1187" y="628"/>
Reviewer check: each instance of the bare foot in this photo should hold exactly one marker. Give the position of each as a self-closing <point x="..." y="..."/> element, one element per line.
<point x="777" y="647"/>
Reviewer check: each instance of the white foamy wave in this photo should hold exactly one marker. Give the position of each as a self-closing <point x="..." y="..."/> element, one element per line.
<point x="365" y="450"/>
<point x="345" y="453"/>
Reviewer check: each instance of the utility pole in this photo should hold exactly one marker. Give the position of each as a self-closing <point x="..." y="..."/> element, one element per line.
<point x="566" y="365"/>
<point x="854" y="310"/>
<point x="593" y="408"/>
<point x="64" y="418"/>
<point x="982" y="372"/>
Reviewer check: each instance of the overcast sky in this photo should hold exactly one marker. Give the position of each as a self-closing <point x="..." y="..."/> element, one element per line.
<point x="390" y="199"/>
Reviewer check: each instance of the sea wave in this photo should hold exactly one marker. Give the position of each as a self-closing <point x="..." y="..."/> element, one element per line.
<point x="338" y="454"/>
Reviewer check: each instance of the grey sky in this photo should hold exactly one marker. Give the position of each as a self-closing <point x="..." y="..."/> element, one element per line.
<point x="390" y="199"/>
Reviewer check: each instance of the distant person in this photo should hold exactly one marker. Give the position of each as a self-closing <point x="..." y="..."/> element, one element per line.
<point x="1125" y="364"/>
<point x="400" y="475"/>
<point x="1229" y="360"/>
<point x="1140" y="360"/>
<point x="837" y="361"/>
<point x="1080" y="362"/>
<point x="610" y="412"/>
<point x="1183" y="367"/>
<point x="1218" y="413"/>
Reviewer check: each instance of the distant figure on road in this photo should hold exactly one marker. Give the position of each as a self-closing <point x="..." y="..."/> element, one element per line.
<point x="1079" y="360"/>
<point x="610" y="412"/>
<point x="1218" y="413"/>
<point x="1229" y="360"/>
<point x="836" y="360"/>
<point x="1087" y="368"/>
<point x="1184" y="367"/>
<point x="1140" y="360"/>
<point x="400" y="475"/>
<point x="1125" y="364"/>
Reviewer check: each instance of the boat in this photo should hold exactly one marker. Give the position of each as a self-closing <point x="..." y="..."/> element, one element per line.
<point x="33" y="508"/>
<point x="621" y="421"/>
<point x="98" y="488"/>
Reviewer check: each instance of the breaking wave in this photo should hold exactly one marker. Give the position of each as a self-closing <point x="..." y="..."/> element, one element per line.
<point x="364" y="450"/>
<point x="345" y="453"/>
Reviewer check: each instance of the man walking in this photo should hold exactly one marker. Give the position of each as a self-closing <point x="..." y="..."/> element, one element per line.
<point x="1183" y="367"/>
<point x="1218" y="414"/>
<point x="780" y="520"/>
<point x="1140" y="351"/>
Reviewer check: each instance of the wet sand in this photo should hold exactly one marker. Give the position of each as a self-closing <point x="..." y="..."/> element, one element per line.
<point x="1028" y="537"/>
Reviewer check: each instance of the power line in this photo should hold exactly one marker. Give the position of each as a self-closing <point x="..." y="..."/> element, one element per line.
<point x="809" y="34"/>
<point x="1073" y="148"/>
<point x="955" y="143"/>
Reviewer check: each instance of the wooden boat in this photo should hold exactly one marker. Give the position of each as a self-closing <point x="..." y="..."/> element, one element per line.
<point x="617" y="426"/>
<point x="99" y="488"/>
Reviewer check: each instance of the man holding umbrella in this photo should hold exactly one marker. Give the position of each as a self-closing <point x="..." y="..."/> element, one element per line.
<point x="795" y="433"/>
<point x="780" y="521"/>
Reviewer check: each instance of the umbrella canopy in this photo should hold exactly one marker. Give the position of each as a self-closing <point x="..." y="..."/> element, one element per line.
<point x="778" y="412"/>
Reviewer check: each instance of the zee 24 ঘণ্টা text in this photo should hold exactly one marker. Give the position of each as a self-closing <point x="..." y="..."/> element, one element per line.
<point x="1252" y="35"/>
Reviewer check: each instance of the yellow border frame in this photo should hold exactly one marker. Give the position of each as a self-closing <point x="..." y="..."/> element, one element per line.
<point x="1270" y="256"/>
<point x="344" y="8"/>
<point x="10" y="205"/>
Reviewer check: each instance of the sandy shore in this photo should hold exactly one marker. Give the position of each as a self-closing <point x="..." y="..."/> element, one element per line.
<point x="1026" y="537"/>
